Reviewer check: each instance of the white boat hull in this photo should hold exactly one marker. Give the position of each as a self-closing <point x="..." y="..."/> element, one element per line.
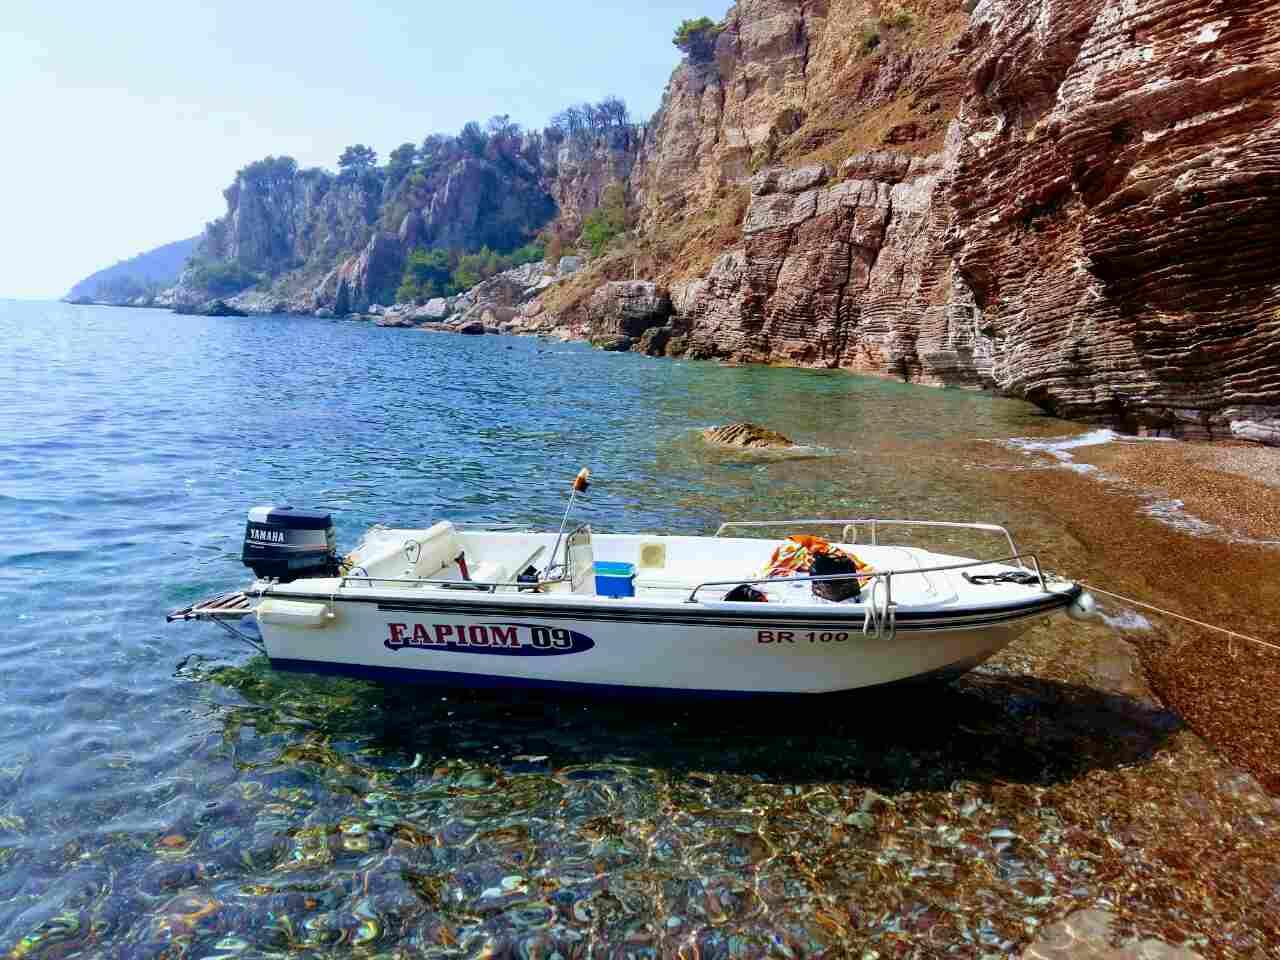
<point x="510" y="647"/>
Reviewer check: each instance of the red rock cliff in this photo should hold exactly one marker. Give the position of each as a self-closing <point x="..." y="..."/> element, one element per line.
<point x="1075" y="202"/>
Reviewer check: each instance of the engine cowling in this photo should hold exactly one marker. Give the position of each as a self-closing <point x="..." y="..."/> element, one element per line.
<point x="285" y="543"/>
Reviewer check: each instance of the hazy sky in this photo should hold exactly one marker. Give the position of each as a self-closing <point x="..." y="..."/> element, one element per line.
<point x="126" y="120"/>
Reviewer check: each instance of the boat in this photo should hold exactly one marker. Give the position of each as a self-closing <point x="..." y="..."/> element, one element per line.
<point x="630" y="614"/>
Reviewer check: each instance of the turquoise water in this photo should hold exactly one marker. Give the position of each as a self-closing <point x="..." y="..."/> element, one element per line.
<point x="163" y="793"/>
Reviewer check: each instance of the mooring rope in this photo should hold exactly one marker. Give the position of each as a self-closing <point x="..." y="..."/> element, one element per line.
<point x="1179" y="616"/>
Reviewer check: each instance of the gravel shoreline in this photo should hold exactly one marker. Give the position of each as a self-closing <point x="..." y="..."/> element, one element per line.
<point x="1234" y="487"/>
<point x="1224" y="689"/>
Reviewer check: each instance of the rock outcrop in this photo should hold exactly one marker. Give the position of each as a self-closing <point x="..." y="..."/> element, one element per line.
<point x="359" y="282"/>
<point x="214" y="308"/>
<point x="746" y="435"/>
<point x="628" y="308"/>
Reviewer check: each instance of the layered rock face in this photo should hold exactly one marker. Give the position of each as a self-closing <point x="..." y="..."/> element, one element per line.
<point x="1114" y="209"/>
<point x="1078" y="207"/>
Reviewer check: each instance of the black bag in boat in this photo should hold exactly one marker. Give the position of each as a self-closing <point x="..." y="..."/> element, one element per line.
<point x="827" y="565"/>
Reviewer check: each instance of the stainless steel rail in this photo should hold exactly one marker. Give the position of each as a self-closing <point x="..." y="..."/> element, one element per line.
<point x="851" y="526"/>
<point x="460" y="584"/>
<point x="886" y="575"/>
<point x="463" y="585"/>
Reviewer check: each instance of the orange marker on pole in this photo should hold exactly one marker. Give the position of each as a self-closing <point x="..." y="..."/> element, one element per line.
<point x="580" y="484"/>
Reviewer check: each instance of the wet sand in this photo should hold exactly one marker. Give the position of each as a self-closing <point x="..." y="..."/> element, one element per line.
<point x="1226" y="690"/>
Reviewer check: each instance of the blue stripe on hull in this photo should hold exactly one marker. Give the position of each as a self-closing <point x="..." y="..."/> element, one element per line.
<point x="482" y="681"/>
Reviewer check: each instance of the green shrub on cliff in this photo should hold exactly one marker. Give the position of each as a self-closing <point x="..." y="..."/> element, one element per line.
<point x="477" y="267"/>
<point x="222" y="278"/>
<point x="606" y="221"/>
<point x="442" y="273"/>
<point x="401" y="162"/>
<point x="873" y="30"/>
<point x="427" y="274"/>
<point x="697" y="37"/>
<point x="900" y="20"/>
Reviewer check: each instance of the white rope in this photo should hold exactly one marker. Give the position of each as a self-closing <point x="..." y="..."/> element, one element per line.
<point x="871" y="618"/>
<point x="1179" y="616"/>
<point x="880" y="614"/>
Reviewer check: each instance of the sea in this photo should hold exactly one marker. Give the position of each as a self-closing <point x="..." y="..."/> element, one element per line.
<point x="164" y="793"/>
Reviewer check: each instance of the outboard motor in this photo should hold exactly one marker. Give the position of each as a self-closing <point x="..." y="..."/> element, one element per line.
<point x="286" y="544"/>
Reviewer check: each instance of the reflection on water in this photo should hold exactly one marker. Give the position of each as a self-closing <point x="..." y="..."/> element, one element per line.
<point x="164" y="793"/>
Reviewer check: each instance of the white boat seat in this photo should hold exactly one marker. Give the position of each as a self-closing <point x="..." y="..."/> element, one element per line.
<point x="581" y="560"/>
<point x="491" y="572"/>
<point x="437" y="548"/>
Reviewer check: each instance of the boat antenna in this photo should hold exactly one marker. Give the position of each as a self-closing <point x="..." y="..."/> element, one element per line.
<point x="580" y="485"/>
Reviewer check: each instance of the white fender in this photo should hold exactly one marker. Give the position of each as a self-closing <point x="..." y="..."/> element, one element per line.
<point x="1083" y="609"/>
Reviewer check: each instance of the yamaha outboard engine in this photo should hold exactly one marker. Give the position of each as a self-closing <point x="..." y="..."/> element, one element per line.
<point x="286" y="544"/>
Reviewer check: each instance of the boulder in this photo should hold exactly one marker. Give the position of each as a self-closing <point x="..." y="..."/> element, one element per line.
<point x="392" y="320"/>
<point x="493" y="316"/>
<point x="433" y="311"/>
<point x="746" y="435"/>
<point x="214" y="308"/>
<point x="471" y="328"/>
<point x="628" y="308"/>
<point x="568" y="265"/>
<point x="613" y="344"/>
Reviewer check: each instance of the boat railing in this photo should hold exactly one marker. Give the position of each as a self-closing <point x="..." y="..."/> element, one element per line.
<point x="1028" y="561"/>
<point x="487" y="585"/>
<point x="849" y="528"/>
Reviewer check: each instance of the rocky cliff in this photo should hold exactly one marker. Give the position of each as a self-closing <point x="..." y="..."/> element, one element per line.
<point x="310" y="240"/>
<point x="1074" y="203"/>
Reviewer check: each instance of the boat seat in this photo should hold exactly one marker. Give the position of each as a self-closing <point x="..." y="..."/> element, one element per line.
<point x="491" y="572"/>
<point x="437" y="548"/>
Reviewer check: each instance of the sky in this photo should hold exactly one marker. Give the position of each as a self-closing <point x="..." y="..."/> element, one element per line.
<point x="126" y="120"/>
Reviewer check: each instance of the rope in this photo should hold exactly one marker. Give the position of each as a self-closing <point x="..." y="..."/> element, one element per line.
<point x="880" y="614"/>
<point x="1178" y="616"/>
<point x="240" y="636"/>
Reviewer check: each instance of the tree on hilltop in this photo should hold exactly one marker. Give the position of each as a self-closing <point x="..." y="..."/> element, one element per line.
<point x="697" y="37"/>
<point x="503" y="127"/>
<point x="270" y="171"/>
<point x="356" y="159"/>
<point x="400" y="162"/>
<point x="473" y="139"/>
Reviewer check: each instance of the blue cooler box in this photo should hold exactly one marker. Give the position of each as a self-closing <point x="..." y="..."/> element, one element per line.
<point x="615" y="579"/>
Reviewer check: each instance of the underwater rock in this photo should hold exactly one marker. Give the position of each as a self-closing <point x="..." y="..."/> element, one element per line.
<point x="749" y="435"/>
<point x="1088" y="934"/>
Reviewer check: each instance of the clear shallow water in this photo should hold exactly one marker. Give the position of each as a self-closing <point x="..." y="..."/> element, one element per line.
<point x="163" y="793"/>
